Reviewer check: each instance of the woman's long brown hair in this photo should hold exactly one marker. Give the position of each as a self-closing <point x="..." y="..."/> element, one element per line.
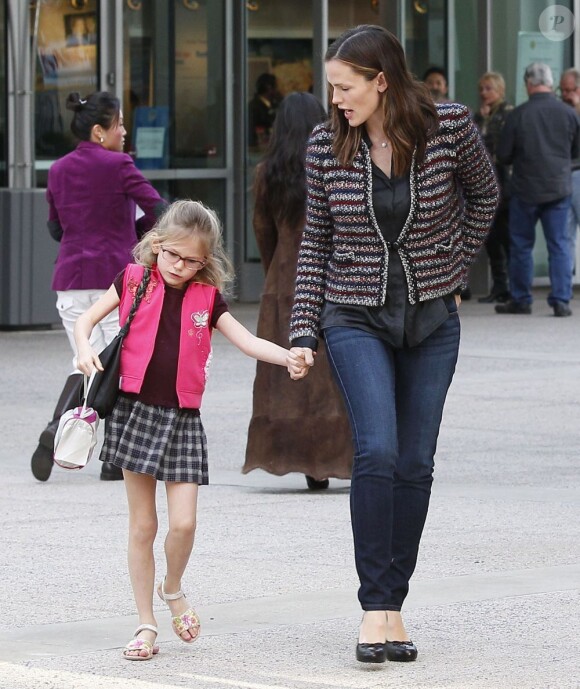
<point x="410" y="116"/>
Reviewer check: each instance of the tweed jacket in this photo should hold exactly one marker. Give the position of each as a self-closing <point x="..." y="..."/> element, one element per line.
<point x="343" y="257"/>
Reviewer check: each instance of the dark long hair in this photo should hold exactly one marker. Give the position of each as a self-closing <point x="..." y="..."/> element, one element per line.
<point x="100" y="107"/>
<point x="282" y="174"/>
<point x="410" y="116"/>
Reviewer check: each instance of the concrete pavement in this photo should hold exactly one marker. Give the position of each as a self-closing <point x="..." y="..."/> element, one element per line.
<point x="494" y="601"/>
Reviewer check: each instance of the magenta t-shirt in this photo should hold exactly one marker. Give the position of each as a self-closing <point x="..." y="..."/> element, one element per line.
<point x="159" y="384"/>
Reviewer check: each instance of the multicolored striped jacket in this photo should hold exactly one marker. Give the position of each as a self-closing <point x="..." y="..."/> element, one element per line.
<point x="343" y="257"/>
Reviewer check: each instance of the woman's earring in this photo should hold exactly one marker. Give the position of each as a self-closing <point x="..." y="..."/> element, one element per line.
<point x="102" y="139"/>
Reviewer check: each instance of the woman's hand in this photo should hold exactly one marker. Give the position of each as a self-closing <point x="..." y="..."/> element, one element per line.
<point x="299" y="362"/>
<point x="458" y="299"/>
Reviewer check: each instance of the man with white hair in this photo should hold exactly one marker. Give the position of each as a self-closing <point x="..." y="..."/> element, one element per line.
<point x="570" y="91"/>
<point x="540" y="138"/>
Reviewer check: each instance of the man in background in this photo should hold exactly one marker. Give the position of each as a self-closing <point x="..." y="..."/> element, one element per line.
<point x="540" y="138"/>
<point x="435" y="79"/>
<point x="570" y="90"/>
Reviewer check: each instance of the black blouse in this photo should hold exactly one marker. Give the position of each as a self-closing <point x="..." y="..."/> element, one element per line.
<point x="397" y="322"/>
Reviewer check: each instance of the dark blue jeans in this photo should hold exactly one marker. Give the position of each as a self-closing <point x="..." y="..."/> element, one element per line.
<point x="554" y="218"/>
<point x="394" y="399"/>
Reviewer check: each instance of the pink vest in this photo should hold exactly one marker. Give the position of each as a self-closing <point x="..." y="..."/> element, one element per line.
<point x="194" y="342"/>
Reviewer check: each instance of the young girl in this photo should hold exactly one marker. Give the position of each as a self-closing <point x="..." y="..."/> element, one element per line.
<point x="155" y="431"/>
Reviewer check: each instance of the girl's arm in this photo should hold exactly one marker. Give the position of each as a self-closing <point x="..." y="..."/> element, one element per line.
<point x="87" y="358"/>
<point x="261" y="349"/>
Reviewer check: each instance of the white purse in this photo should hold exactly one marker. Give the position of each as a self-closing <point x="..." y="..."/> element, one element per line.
<point x="76" y="435"/>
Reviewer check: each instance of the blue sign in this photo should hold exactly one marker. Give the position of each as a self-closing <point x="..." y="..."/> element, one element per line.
<point x="151" y="137"/>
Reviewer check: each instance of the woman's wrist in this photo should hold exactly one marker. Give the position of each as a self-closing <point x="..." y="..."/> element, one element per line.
<point x="307" y="341"/>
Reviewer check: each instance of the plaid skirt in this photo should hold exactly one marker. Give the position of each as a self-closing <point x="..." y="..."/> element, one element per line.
<point x="168" y="444"/>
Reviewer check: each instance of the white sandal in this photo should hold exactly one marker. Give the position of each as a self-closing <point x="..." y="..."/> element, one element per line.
<point x="141" y="644"/>
<point x="188" y="621"/>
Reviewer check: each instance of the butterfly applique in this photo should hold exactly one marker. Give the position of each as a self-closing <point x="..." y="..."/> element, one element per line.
<point x="200" y="320"/>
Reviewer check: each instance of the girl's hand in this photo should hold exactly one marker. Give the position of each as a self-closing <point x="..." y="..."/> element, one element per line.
<point x="458" y="299"/>
<point x="88" y="360"/>
<point x="299" y="362"/>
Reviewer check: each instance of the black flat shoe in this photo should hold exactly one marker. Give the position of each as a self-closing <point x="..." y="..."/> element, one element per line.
<point x="371" y="653"/>
<point x="109" y="472"/>
<point x="514" y="307"/>
<point x="561" y="309"/>
<point x="41" y="463"/>
<point x="499" y="297"/>
<point x="313" y="484"/>
<point x="401" y="651"/>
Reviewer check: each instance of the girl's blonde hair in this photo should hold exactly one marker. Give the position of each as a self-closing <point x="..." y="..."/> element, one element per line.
<point x="182" y="220"/>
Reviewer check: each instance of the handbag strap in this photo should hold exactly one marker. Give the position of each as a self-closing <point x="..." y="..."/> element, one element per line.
<point x="87" y="382"/>
<point x="139" y="294"/>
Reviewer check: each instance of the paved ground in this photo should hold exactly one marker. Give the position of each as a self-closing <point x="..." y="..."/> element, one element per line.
<point x="494" y="602"/>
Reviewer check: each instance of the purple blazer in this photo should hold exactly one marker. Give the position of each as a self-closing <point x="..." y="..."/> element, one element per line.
<point x="92" y="193"/>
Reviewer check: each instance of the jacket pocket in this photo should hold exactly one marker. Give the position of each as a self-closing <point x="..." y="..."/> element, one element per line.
<point x="449" y="247"/>
<point x="343" y="256"/>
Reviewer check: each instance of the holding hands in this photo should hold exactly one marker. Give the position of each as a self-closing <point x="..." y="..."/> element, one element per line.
<point x="299" y="360"/>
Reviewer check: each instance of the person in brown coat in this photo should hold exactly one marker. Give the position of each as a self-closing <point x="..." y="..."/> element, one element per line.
<point x="295" y="426"/>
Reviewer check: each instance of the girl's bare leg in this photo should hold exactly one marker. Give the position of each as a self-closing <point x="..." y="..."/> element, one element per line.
<point x="142" y="531"/>
<point x="182" y="509"/>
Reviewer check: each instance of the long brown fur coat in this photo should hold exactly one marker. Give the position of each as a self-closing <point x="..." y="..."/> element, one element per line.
<point x="298" y="426"/>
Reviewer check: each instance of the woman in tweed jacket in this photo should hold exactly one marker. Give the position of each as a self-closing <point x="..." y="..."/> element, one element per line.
<point x="401" y="195"/>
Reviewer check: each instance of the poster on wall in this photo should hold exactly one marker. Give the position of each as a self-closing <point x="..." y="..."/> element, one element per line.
<point x="67" y="47"/>
<point x="535" y="47"/>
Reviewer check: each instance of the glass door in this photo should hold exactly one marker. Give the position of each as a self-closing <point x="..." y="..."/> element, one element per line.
<point x="65" y="40"/>
<point x="3" y="96"/>
<point x="279" y="61"/>
<point x="425" y="35"/>
<point x="174" y="96"/>
<point x="518" y="41"/>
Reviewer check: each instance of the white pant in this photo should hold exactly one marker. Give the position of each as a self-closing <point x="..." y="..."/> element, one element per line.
<point x="71" y="304"/>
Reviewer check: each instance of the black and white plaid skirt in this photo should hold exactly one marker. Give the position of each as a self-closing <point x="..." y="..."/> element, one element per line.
<point x="168" y="444"/>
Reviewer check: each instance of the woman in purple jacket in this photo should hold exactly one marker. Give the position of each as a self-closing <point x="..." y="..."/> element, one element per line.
<point x="94" y="194"/>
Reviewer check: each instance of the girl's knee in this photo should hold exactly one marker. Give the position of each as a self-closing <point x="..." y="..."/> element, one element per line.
<point x="183" y="528"/>
<point x="143" y="530"/>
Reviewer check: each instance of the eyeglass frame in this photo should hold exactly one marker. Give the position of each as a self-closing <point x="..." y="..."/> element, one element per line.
<point x="200" y="264"/>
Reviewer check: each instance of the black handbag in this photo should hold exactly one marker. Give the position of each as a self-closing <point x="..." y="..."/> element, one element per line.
<point x="104" y="388"/>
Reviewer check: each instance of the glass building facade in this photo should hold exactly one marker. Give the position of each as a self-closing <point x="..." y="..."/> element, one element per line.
<point x="189" y="72"/>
